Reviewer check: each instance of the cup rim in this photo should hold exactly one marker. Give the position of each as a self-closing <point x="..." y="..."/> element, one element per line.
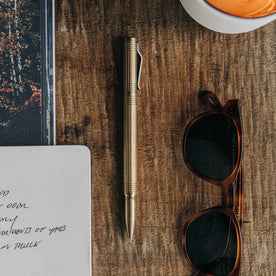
<point x="235" y="16"/>
<point x="220" y="21"/>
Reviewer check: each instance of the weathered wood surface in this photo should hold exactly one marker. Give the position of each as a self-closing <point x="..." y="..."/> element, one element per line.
<point x="180" y="58"/>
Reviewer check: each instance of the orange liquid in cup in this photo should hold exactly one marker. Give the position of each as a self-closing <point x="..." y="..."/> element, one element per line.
<point x="245" y="8"/>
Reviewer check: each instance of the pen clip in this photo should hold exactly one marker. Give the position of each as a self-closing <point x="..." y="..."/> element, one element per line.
<point x="140" y="62"/>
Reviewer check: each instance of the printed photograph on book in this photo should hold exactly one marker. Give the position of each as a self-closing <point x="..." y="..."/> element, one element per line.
<point x="22" y="113"/>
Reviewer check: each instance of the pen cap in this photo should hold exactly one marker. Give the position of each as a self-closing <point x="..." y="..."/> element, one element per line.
<point x="130" y="65"/>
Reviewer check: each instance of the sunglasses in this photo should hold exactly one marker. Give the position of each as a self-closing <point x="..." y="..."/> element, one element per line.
<point x="213" y="147"/>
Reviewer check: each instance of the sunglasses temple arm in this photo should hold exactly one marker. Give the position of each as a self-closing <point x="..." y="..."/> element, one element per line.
<point x="234" y="195"/>
<point x="239" y="196"/>
<point x="210" y="99"/>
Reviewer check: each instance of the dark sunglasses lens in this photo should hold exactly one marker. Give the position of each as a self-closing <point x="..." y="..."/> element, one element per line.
<point x="211" y="243"/>
<point x="212" y="146"/>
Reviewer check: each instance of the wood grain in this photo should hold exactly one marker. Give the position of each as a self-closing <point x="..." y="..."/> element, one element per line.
<point x="180" y="59"/>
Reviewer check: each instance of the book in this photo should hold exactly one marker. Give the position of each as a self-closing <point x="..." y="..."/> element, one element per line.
<point x="45" y="211"/>
<point x="27" y="72"/>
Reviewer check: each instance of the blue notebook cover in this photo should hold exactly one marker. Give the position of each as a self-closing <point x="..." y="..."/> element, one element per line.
<point x="27" y="72"/>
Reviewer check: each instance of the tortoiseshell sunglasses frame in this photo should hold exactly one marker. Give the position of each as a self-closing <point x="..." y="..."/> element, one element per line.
<point x="233" y="183"/>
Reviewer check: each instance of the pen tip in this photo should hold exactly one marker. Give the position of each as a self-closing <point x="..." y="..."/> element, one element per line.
<point x="130" y="240"/>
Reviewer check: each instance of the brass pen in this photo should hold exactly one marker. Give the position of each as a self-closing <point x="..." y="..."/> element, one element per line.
<point x="131" y="84"/>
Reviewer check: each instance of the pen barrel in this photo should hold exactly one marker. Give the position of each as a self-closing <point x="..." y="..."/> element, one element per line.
<point x="130" y="87"/>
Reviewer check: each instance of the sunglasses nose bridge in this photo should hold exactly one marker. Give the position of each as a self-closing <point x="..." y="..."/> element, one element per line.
<point x="230" y="193"/>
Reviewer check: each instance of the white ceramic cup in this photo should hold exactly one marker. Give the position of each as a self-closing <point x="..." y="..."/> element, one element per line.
<point x="218" y="21"/>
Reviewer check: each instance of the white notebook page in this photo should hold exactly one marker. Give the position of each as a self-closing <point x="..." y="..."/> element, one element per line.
<point x="45" y="211"/>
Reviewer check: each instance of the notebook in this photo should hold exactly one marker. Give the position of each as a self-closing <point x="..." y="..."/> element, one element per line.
<point x="45" y="211"/>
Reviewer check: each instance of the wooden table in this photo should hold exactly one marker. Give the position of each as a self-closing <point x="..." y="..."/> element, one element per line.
<point x="180" y="59"/>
